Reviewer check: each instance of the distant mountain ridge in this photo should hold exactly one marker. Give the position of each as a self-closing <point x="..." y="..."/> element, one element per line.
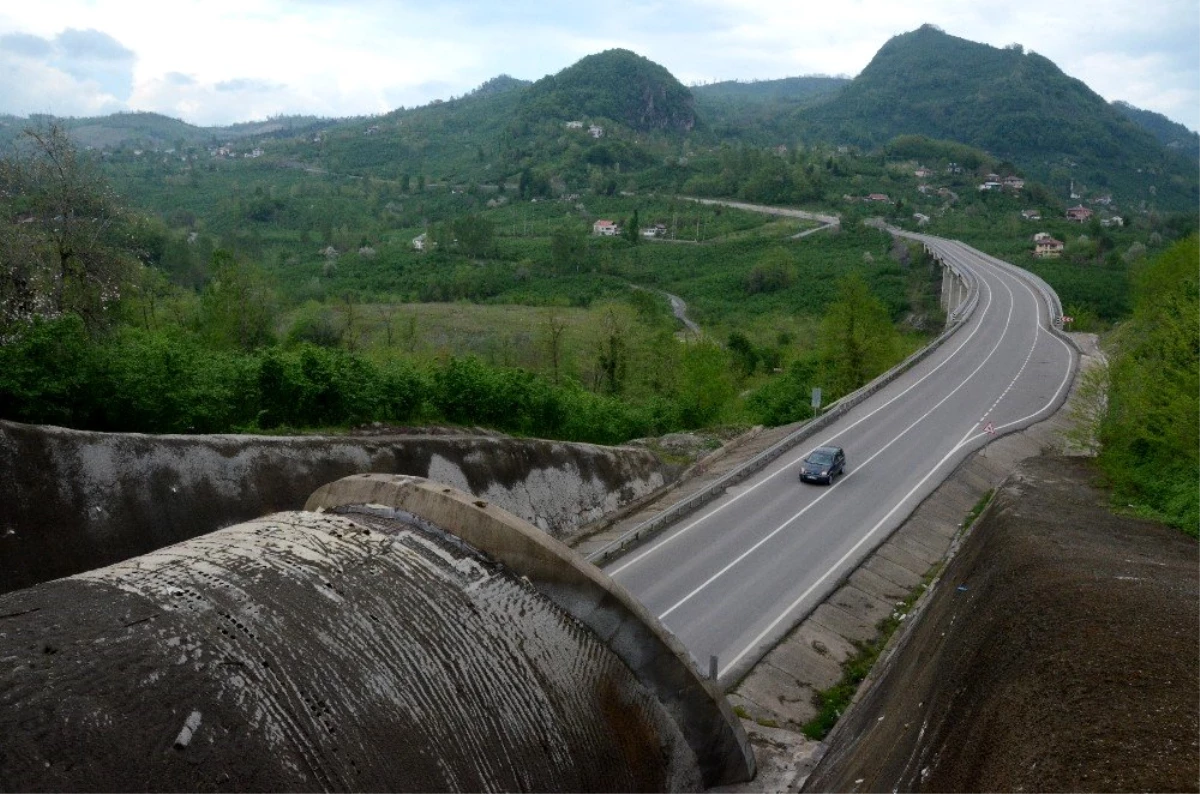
<point x="155" y="130"/>
<point x="1169" y="133"/>
<point x="1015" y="105"/>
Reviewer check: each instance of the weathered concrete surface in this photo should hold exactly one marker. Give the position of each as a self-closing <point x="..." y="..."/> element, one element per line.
<point x="658" y="661"/>
<point x="72" y="500"/>
<point x="363" y="651"/>
<point x="1058" y="651"/>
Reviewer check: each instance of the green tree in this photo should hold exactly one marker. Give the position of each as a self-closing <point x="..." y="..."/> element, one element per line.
<point x="475" y="234"/>
<point x="61" y="233"/>
<point x="858" y="340"/>
<point x="237" y="308"/>
<point x="633" y="229"/>
<point x="568" y="248"/>
<point x="1151" y="434"/>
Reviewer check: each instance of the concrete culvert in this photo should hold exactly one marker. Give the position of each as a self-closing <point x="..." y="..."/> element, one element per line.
<point x="365" y="648"/>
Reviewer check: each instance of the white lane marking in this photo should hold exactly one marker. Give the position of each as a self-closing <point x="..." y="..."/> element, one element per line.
<point x="1062" y="384"/>
<point x="789" y="464"/>
<point x="963" y="443"/>
<point x="858" y="468"/>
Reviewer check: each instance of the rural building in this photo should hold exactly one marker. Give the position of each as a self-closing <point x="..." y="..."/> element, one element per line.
<point x="1048" y="247"/>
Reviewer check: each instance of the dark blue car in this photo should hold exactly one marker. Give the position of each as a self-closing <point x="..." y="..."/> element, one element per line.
<point x="823" y="464"/>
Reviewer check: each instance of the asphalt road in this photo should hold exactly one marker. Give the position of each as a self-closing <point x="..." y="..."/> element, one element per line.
<point x="732" y="579"/>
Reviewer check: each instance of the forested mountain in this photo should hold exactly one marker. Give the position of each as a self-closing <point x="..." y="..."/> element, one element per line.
<point x="760" y="111"/>
<point x="1173" y="136"/>
<point x="618" y="85"/>
<point x="1017" y="105"/>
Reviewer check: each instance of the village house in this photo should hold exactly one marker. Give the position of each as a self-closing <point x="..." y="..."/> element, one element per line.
<point x="922" y="173"/>
<point x="603" y="228"/>
<point x="574" y="125"/>
<point x="1047" y="247"/>
<point x="877" y="197"/>
<point x="596" y="131"/>
<point x="991" y="184"/>
<point x="921" y="218"/>
<point x="1013" y="182"/>
<point x="1079" y="213"/>
<point x="419" y="241"/>
<point x="1031" y="215"/>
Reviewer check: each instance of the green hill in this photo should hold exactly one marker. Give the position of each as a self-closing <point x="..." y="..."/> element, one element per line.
<point x="1169" y="134"/>
<point x="617" y="85"/>
<point x="1017" y="105"/>
<point x="759" y="111"/>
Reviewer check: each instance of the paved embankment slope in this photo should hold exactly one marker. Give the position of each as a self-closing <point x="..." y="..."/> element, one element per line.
<point x="1057" y="652"/>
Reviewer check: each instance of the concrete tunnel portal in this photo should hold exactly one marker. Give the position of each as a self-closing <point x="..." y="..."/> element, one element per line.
<point x="396" y="635"/>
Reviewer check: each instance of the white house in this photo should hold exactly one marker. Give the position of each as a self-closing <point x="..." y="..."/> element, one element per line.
<point x="605" y="228"/>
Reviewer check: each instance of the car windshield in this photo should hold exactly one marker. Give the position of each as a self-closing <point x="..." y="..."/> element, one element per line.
<point x="821" y="457"/>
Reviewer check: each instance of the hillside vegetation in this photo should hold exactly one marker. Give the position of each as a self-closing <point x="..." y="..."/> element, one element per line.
<point x="617" y="85"/>
<point x="1015" y="104"/>
<point x="1151" y="434"/>
<point x="285" y="274"/>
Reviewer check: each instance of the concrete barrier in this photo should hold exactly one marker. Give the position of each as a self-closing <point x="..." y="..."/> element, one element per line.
<point x="72" y="500"/>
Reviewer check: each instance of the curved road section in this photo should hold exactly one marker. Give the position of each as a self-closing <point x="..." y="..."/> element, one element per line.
<point x="731" y="580"/>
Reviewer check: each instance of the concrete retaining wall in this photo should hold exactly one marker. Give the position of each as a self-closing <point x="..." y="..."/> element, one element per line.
<point x="71" y="500"/>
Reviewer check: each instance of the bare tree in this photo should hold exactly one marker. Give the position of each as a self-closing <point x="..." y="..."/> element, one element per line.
<point x="552" y="338"/>
<point x="60" y="233"/>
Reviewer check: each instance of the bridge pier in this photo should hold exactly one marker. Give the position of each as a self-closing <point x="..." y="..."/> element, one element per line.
<point x="954" y="290"/>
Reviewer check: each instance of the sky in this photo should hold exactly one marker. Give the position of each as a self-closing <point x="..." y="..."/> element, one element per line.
<point x="218" y="62"/>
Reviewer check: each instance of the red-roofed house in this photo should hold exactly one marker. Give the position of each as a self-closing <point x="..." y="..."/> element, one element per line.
<point x="1079" y="213"/>
<point x="606" y="228"/>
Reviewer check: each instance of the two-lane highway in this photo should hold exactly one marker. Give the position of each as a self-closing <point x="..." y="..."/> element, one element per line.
<point x="731" y="579"/>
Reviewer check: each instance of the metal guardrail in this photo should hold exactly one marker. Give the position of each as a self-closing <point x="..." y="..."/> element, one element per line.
<point x="648" y="529"/>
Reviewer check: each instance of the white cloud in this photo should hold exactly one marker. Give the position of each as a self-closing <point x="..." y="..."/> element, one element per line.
<point x="352" y="57"/>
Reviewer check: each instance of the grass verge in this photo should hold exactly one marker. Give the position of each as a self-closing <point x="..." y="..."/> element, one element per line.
<point x="832" y="702"/>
